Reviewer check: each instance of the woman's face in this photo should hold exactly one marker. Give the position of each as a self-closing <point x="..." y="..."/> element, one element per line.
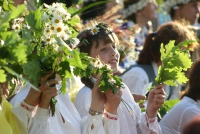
<point x="189" y="11"/>
<point x="108" y="54"/>
<point x="149" y="11"/>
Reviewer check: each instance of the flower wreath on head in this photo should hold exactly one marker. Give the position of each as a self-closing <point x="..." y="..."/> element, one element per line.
<point x="174" y="4"/>
<point x="135" y="7"/>
<point x="93" y="30"/>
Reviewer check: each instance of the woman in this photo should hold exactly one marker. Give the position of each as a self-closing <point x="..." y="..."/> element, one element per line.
<point x="189" y="107"/>
<point x="138" y="77"/>
<point x="138" y="12"/>
<point x="68" y="120"/>
<point x="183" y="9"/>
<point x="102" y="44"/>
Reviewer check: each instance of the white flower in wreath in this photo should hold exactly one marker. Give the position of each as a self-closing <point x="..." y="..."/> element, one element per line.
<point x="94" y="30"/>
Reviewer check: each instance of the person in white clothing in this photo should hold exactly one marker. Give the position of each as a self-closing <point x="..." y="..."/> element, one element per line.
<point x="22" y="119"/>
<point x="102" y="44"/>
<point x="68" y="120"/>
<point x="141" y="76"/>
<point x="182" y="113"/>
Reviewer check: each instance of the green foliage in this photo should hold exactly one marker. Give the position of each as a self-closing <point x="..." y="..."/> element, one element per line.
<point x="167" y="106"/>
<point x="3" y="76"/>
<point x="36" y="47"/>
<point x="175" y="60"/>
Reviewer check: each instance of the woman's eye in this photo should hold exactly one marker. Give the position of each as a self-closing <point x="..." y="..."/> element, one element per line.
<point x="103" y="49"/>
<point x="114" y="47"/>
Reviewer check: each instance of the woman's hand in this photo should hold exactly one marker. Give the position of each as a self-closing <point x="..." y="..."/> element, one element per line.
<point x="46" y="97"/>
<point x="33" y="97"/>
<point x="155" y="99"/>
<point x="98" y="98"/>
<point x="113" y="101"/>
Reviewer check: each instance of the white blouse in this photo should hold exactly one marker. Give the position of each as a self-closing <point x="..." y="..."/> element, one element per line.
<point x="37" y="125"/>
<point x="181" y="114"/>
<point x="137" y="81"/>
<point x="67" y="120"/>
<point x="128" y="125"/>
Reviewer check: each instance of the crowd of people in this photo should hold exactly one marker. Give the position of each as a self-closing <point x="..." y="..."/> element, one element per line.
<point x="95" y="112"/>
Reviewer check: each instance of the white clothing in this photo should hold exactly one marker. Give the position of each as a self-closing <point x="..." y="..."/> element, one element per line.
<point x="181" y="114"/>
<point x="137" y="80"/>
<point x="127" y="124"/>
<point x="67" y="120"/>
<point x="37" y="125"/>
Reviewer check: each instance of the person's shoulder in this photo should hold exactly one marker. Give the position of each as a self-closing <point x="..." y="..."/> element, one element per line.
<point x="84" y="91"/>
<point x="137" y="71"/>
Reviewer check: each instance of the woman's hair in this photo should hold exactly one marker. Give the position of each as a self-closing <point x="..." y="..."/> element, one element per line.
<point x="194" y="82"/>
<point x="94" y="11"/>
<point x="169" y="31"/>
<point x="88" y="39"/>
<point x="128" y="3"/>
<point x="172" y="10"/>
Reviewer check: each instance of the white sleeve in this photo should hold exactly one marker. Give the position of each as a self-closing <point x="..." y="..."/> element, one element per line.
<point x="100" y="124"/>
<point x="147" y="126"/>
<point x="38" y="124"/>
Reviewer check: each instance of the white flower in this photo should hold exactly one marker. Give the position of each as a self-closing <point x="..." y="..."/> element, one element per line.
<point x="49" y="40"/>
<point x="47" y="31"/>
<point x="66" y="16"/>
<point x="60" y="30"/>
<point x="56" y="20"/>
<point x="107" y="66"/>
<point x="94" y="30"/>
<point x="2" y="42"/>
<point x="112" y="80"/>
<point x="51" y="9"/>
<point x="16" y="27"/>
<point x="96" y="62"/>
<point x="75" y="42"/>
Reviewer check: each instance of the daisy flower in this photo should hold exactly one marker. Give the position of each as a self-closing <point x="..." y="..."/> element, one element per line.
<point x="47" y="31"/>
<point x="49" y="40"/>
<point x="97" y="63"/>
<point x="107" y="66"/>
<point x="56" y="20"/>
<point x="16" y="27"/>
<point x="60" y="30"/>
<point x="66" y="16"/>
<point x="94" y="30"/>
